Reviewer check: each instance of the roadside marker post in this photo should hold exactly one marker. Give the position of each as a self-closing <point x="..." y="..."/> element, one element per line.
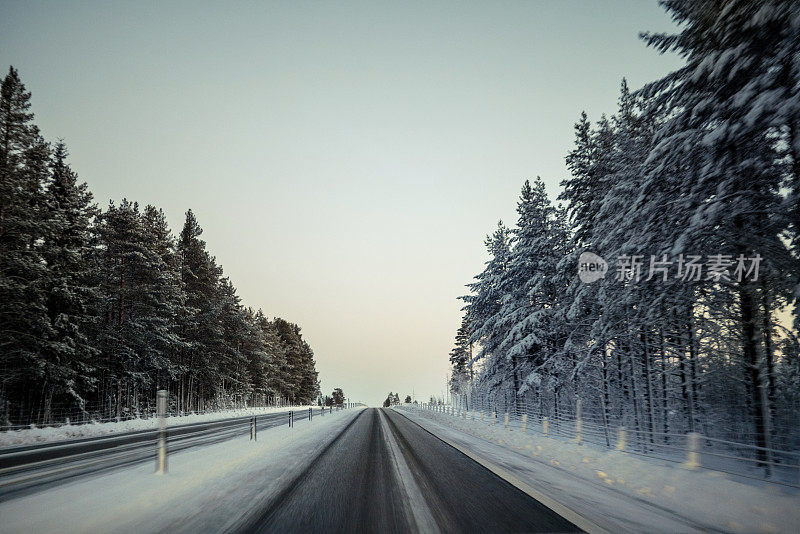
<point x="578" y="422"/>
<point x="253" y="430"/>
<point x="524" y="422"/>
<point x="161" y="408"/>
<point x="545" y="425"/>
<point x="692" y="448"/>
<point x="310" y="414"/>
<point x="621" y="438"/>
<point x="505" y="422"/>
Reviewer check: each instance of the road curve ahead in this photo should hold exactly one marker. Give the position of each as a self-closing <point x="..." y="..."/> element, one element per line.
<point x="385" y="473"/>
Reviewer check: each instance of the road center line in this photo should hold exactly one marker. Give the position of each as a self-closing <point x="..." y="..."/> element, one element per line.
<point x="423" y="518"/>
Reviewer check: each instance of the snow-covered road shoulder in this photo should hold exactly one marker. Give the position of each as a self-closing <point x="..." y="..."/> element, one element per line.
<point x="615" y="491"/>
<point x="64" y="433"/>
<point x="206" y="489"/>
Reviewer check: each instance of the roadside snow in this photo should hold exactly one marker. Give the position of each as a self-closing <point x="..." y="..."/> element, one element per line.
<point x="36" y="435"/>
<point x="206" y="489"/>
<point x="621" y="492"/>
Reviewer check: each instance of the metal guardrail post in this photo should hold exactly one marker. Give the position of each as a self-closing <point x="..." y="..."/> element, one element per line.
<point x="161" y="408"/>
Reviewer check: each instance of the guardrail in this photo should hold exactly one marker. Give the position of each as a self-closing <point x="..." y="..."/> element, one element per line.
<point x="97" y="413"/>
<point x="27" y="466"/>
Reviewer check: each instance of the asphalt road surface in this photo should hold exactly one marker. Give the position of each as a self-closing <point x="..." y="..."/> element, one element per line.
<point x="384" y="473"/>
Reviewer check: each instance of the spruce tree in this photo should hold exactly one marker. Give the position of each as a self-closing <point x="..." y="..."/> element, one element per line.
<point x="201" y="328"/>
<point x="71" y="284"/>
<point x="733" y="125"/>
<point x="24" y="323"/>
<point x="461" y="359"/>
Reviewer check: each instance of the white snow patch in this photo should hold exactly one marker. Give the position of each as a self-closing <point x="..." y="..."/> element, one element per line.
<point x="207" y="489"/>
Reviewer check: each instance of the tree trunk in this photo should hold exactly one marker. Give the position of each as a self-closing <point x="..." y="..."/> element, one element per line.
<point x="664" y="401"/>
<point x="516" y="383"/>
<point x="648" y="383"/>
<point x="623" y="385"/>
<point x="693" y="366"/>
<point x="119" y="399"/>
<point x="753" y="374"/>
<point x="637" y="425"/>
<point x="48" y="401"/>
<point x="604" y="367"/>
<point x="768" y="347"/>
<point x="687" y="401"/>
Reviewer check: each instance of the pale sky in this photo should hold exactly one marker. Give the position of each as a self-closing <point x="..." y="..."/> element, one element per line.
<point x="345" y="159"/>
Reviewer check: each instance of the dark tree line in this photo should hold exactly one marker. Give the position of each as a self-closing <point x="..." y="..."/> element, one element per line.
<point x="703" y="162"/>
<point x="393" y="399"/>
<point x="336" y="398"/>
<point x="99" y="309"/>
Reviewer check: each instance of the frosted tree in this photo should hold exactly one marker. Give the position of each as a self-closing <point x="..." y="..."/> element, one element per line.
<point x="527" y="336"/>
<point x="461" y="359"/>
<point x="71" y="285"/>
<point x="24" y="324"/>
<point x="484" y="301"/>
<point x="201" y="329"/>
<point x="735" y="127"/>
<point x="137" y="335"/>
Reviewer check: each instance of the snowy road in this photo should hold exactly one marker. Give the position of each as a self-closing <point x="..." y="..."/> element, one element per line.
<point x="385" y="473"/>
<point x="361" y="470"/>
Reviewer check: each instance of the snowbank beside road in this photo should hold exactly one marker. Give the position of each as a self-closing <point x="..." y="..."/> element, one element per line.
<point x="619" y="491"/>
<point x="207" y="489"/>
<point x="36" y="435"/>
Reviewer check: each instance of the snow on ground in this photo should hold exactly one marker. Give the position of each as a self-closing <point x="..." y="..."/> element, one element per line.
<point x="621" y="492"/>
<point x="208" y="489"/>
<point x="35" y="435"/>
